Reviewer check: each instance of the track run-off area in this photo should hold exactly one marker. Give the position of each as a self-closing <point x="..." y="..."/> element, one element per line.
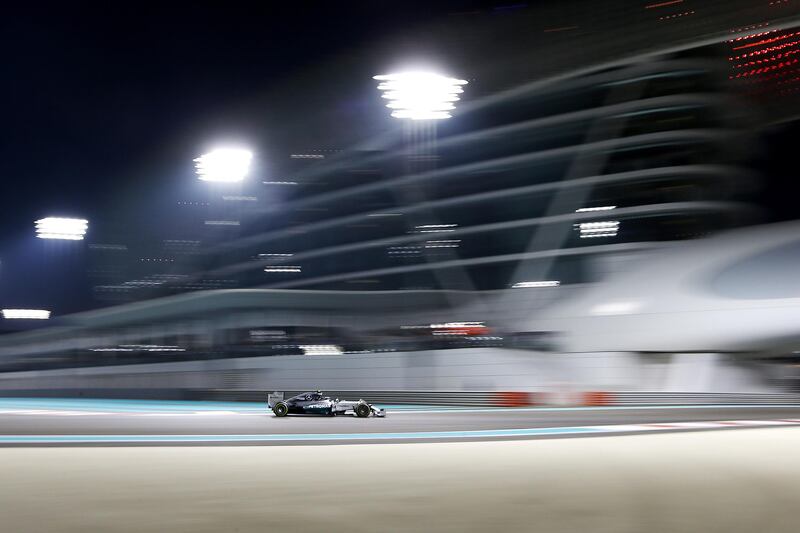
<point x="45" y="421"/>
<point x="127" y="466"/>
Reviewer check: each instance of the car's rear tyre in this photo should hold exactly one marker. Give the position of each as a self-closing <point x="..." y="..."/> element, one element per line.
<point x="280" y="409"/>
<point x="362" y="410"/>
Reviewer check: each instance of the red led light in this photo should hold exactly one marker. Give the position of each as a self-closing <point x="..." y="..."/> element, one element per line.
<point x="764" y="70"/>
<point x="766" y="41"/>
<point x="663" y="4"/>
<point x="767" y="59"/>
<point x="765" y="50"/>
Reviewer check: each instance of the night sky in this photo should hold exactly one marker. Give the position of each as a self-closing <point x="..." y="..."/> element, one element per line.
<point x="93" y="95"/>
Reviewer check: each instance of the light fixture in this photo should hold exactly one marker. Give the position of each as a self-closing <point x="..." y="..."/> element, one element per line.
<point x="292" y="268"/>
<point x="321" y="349"/>
<point x="607" y="228"/>
<point x="420" y="95"/>
<point x="72" y="229"/>
<point x="535" y="284"/>
<point x="27" y="314"/>
<point x="224" y="165"/>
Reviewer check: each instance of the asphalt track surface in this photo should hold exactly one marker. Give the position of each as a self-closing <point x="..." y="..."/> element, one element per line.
<point x="49" y="422"/>
<point x="707" y="481"/>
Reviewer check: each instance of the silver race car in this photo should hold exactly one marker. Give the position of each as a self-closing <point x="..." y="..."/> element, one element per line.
<point x="315" y="403"/>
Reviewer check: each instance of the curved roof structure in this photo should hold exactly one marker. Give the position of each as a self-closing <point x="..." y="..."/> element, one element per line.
<point x="739" y="291"/>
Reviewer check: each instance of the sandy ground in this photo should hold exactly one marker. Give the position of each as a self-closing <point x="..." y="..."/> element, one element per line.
<point x="723" y="481"/>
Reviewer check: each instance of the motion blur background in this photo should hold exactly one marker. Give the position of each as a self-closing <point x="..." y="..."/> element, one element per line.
<point x="609" y="209"/>
<point x="557" y="241"/>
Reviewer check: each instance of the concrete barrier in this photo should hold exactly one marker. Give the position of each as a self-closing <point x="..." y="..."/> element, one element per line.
<point x="527" y="399"/>
<point x="436" y="397"/>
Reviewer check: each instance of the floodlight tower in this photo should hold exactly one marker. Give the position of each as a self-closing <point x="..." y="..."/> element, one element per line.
<point x="224" y="169"/>
<point x="421" y="99"/>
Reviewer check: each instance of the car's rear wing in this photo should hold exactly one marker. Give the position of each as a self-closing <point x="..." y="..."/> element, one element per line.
<point x="274" y="398"/>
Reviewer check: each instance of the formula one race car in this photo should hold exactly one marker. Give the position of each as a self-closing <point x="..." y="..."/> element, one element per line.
<point x="314" y="403"/>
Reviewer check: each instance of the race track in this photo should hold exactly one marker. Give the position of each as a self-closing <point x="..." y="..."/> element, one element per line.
<point x="130" y="467"/>
<point x="114" y="422"/>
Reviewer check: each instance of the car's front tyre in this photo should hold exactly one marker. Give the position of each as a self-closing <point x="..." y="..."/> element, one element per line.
<point x="280" y="409"/>
<point x="362" y="410"/>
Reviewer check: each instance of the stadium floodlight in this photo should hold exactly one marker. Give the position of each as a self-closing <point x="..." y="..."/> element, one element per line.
<point x="72" y="229"/>
<point x="420" y="95"/>
<point x="224" y="165"/>
<point x="29" y="314"/>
